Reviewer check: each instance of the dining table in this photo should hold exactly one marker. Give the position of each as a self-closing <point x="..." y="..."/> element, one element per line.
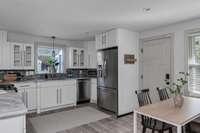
<point x="166" y="111"/>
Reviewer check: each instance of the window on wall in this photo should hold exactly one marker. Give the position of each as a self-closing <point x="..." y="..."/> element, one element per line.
<point x="194" y="64"/>
<point x="44" y="59"/>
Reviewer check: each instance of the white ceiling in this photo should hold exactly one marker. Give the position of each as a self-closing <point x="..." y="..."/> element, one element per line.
<point x="73" y="19"/>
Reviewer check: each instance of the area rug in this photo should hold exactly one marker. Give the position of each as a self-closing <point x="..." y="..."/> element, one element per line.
<point x="60" y="121"/>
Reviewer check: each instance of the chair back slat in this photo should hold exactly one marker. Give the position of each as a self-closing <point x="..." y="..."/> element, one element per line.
<point x="163" y="94"/>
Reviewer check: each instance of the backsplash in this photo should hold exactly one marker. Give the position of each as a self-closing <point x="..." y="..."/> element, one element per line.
<point x="20" y="74"/>
<point x="81" y="72"/>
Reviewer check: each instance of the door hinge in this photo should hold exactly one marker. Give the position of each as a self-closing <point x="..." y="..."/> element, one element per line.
<point x="142" y="50"/>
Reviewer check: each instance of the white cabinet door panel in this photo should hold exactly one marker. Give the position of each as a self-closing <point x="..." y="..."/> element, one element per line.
<point x="28" y="56"/>
<point x="17" y="55"/>
<point x="31" y="98"/>
<point x="48" y="97"/>
<point x="13" y="125"/>
<point x="68" y="95"/>
<point x="93" y="90"/>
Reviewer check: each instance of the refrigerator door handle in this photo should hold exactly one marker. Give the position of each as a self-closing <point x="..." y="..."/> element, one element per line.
<point x="105" y="69"/>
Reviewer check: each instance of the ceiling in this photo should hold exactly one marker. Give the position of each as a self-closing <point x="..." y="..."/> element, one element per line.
<point x="81" y="19"/>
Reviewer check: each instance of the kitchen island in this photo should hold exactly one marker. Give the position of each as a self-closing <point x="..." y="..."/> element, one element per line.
<point x="12" y="113"/>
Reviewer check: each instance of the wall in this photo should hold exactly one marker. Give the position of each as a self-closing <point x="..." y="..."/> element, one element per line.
<point x="127" y="73"/>
<point x="25" y="38"/>
<point x="179" y="41"/>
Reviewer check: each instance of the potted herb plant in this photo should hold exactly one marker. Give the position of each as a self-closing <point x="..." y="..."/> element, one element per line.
<point x="176" y="88"/>
<point x="53" y="63"/>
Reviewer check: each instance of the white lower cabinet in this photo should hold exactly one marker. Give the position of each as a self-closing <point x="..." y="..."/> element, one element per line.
<point x="13" y="125"/>
<point x="48" y="97"/>
<point x="68" y="95"/>
<point x="93" y="98"/>
<point x="28" y="92"/>
<point x="56" y="94"/>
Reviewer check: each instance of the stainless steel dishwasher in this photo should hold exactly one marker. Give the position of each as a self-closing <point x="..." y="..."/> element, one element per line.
<point x="83" y="90"/>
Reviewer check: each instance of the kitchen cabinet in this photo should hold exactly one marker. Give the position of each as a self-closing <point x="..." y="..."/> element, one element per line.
<point x="77" y="58"/>
<point x="107" y="39"/>
<point x="48" y="97"/>
<point x="22" y="56"/>
<point x="4" y="55"/>
<point x="91" y="54"/>
<point x="56" y="94"/>
<point x="16" y="124"/>
<point x="93" y="90"/>
<point x="3" y="36"/>
<point x="68" y="94"/>
<point x="28" y="92"/>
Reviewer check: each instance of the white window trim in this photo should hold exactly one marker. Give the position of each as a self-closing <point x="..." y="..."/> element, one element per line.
<point x="188" y="35"/>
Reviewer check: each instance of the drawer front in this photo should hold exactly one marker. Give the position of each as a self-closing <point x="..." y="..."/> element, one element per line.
<point x="56" y="83"/>
<point x="25" y="85"/>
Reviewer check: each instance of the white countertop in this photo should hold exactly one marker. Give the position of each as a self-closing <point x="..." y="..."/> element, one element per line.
<point x="11" y="105"/>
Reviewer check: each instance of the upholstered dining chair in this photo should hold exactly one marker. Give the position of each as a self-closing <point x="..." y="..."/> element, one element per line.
<point x="149" y="123"/>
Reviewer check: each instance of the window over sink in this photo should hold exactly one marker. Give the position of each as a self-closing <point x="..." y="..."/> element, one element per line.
<point x="45" y="58"/>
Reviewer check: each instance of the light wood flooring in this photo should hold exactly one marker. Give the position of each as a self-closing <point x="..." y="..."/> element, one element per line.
<point x="109" y="125"/>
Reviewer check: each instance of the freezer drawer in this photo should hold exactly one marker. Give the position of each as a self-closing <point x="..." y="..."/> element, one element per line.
<point x="107" y="98"/>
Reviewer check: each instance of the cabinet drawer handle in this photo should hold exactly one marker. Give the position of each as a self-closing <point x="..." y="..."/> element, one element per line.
<point x="25" y="86"/>
<point x="27" y="99"/>
<point x="60" y="95"/>
<point x="57" y="96"/>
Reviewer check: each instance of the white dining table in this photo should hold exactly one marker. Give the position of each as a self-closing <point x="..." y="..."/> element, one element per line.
<point x="165" y="111"/>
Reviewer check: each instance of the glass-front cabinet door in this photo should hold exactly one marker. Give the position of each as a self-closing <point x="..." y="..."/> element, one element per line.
<point x="75" y="57"/>
<point x="16" y="55"/>
<point x="81" y="57"/>
<point x="28" y="56"/>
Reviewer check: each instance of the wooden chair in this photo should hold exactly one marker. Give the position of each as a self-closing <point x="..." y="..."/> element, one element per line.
<point x="163" y="94"/>
<point x="154" y="125"/>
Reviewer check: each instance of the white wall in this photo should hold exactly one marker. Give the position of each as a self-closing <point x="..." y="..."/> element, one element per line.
<point x="179" y="40"/>
<point x="25" y="38"/>
<point x="128" y="73"/>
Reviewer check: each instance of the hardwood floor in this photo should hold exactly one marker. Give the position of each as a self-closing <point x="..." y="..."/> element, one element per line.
<point x="108" y="125"/>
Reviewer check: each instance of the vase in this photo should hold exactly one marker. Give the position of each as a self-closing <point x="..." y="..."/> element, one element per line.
<point x="178" y="100"/>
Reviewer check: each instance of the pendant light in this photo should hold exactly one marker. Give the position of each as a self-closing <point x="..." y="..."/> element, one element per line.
<point x="53" y="52"/>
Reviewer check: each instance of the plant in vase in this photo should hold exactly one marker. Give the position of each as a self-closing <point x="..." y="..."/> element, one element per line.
<point x="53" y="63"/>
<point x="176" y="88"/>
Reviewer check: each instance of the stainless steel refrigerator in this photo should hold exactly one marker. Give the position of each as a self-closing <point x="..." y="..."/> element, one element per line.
<point x="107" y="79"/>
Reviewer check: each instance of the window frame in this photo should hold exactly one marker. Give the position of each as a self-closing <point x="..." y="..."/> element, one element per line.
<point x="44" y="44"/>
<point x="188" y="34"/>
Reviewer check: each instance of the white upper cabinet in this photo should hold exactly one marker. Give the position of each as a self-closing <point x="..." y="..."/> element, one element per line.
<point x="91" y="54"/>
<point x="107" y="39"/>
<point x="77" y="57"/>
<point x="3" y="36"/>
<point x="16" y="55"/>
<point x="22" y="56"/>
<point x="4" y="55"/>
<point x="28" y="56"/>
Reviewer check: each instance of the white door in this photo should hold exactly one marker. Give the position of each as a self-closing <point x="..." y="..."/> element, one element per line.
<point x="28" y="56"/>
<point x="156" y="64"/>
